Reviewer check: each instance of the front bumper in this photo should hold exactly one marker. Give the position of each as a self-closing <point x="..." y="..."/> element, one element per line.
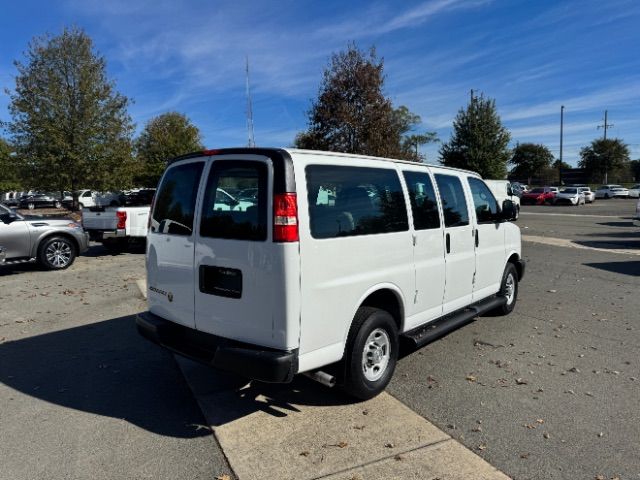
<point x="83" y="241"/>
<point x="251" y="361"/>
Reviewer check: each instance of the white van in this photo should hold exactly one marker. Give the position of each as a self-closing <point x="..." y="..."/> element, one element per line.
<point x="502" y="191"/>
<point x="328" y="285"/>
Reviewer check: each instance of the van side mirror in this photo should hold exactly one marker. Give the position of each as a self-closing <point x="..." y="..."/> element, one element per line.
<point x="508" y="212"/>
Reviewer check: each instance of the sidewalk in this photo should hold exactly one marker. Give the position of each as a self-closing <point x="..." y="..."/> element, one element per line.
<point x="304" y="431"/>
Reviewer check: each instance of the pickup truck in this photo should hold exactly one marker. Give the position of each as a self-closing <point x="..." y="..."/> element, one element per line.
<point x="116" y="227"/>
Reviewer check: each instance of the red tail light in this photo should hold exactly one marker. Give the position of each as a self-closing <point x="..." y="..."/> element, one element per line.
<point x="285" y="218"/>
<point x="122" y="220"/>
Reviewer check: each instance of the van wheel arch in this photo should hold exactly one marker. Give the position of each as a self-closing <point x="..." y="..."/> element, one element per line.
<point x="514" y="260"/>
<point x="389" y="301"/>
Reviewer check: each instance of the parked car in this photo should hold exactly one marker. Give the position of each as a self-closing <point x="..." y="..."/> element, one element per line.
<point x="142" y="197"/>
<point x="611" y="191"/>
<point x="570" y="195"/>
<point x="538" y="196"/>
<point x="54" y="243"/>
<point x="294" y="284"/>
<point x="502" y="190"/>
<point x="589" y="196"/>
<point x="40" y="200"/>
<point x="634" y="192"/>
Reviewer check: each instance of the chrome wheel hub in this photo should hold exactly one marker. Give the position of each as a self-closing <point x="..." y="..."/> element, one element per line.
<point x="376" y="355"/>
<point x="510" y="289"/>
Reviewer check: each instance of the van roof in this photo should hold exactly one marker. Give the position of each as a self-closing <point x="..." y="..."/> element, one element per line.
<point x="269" y="151"/>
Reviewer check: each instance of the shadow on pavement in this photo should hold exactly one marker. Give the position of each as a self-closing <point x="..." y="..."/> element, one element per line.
<point x="107" y="369"/>
<point x="99" y="250"/>
<point x="631" y="268"/>
<point x="610" y="244"/>
<point x="616" y="224"/>
<point x="19" y="268"/>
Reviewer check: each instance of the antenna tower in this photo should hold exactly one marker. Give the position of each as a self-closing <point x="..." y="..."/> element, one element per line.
<point x="252" y="141"/>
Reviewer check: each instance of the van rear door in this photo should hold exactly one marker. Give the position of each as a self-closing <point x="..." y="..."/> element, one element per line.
<point x="247" y="284"/>
<point x="171" y="243"/>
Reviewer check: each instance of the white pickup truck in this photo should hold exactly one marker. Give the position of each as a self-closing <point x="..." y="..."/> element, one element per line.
<point x="116" y="227"/>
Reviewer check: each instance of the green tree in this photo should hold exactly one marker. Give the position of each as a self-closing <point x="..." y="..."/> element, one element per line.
<point x="352" y="114"/>
<point x="70" y="127"/>
<point x="164" y="137"/>
<point x="530" y="160"/>
<point x="9" y="172"/>
<point x="604" y="159"/>
<point x="479" y="141"/>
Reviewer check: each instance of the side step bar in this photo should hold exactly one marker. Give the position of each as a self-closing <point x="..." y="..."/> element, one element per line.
<point x="419" y="337"/>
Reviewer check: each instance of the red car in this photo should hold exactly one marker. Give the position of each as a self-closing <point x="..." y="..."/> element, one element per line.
<point x="538" y="196"/>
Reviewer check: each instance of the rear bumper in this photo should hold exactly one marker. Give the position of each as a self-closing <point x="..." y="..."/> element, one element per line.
<point x="100" y="235"/>
<point x="251" y="361"/>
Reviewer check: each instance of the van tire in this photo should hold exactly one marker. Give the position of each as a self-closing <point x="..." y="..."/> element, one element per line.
<point x="375" y="330"/>
<point x="509" y="283"/>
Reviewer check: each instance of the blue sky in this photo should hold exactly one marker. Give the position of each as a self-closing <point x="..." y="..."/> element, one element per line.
<point x="530" y="55"/>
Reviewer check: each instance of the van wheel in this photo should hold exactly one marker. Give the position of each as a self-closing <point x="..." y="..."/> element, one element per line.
<point x="57" y="253"/>
<point x="372" y="352"/>
<point x="509" y="289"/>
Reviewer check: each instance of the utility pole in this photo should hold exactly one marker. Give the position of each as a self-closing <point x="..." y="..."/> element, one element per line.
<point x="252" y="141"/>
<point x="606" y="125"/>
<point x="561" y="128"/>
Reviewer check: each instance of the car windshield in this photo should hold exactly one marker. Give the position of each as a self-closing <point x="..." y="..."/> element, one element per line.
<point x="537" y="190"/>
<point x="569" y="190"/>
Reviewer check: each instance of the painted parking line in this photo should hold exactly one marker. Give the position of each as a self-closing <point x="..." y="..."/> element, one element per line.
<point x="304" y="432"/>
<point x="565" y="242"/>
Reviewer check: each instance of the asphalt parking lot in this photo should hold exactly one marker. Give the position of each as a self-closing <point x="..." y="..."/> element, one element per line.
<point x="549" y="392"/>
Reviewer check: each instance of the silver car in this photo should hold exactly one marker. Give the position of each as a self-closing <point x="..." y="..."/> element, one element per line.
<point x="53" y="242"/>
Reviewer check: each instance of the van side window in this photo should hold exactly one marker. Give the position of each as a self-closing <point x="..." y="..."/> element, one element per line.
<point x="454" y="204"/>
<point x="423" y="200"/>
<point x="348" y="201"/>
<point x="175" y="203"/>
<point x="483" y="201"/>
<point x="229" y="213"/>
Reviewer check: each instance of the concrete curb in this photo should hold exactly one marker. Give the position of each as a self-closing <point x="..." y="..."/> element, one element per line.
<point x="304" y="431"/>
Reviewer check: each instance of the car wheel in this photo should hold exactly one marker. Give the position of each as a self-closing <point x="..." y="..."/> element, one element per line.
<point x="57" y="205"/>
<point x="371" y="353"/>
<point x="508" y="289"/>
<point x="80" y="205"/>
<point x="606" y="196"/>
<point x="31" y="206"/>
<point x="56" y="253"/>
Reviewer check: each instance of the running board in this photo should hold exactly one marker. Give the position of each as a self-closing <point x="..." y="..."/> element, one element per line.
<point x="419" y="337"/>
<point x="17" y="261"/>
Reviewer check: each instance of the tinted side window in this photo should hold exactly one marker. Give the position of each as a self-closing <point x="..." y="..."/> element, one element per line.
<point x="483" y="201"/>
<point x="454" y="204"/>
<point x="175" y="204"/>
<point x="423" y="200"/>
<point x="346" y="201"/>
<point x="227" y="216"/>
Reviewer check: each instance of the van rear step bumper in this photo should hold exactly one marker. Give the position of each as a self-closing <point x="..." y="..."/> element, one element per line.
<point x="251" y="361"/>
<point x="431" y="332"/>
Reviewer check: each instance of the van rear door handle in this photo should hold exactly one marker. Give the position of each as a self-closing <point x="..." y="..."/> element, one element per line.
<point x="477" y="238"/>
<point x="448" y="242"/>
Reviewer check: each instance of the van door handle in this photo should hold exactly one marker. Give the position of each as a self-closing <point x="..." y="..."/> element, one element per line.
<point x="477" y="238"/>
<point x="448" y="242"/>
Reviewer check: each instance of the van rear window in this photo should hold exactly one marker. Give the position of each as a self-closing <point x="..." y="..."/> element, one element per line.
<point x="349" y="201"/>
<point x="235" y="203"/>
<point x="175" y="203"/>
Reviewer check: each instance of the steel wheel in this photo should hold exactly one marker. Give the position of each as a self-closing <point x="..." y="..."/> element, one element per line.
<point x="59" y="254"/>
<point x="31" y="206"/>
<point x="510" y="288"/>
<point x="376" y="355"/>
<point x="57" y="205"/>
